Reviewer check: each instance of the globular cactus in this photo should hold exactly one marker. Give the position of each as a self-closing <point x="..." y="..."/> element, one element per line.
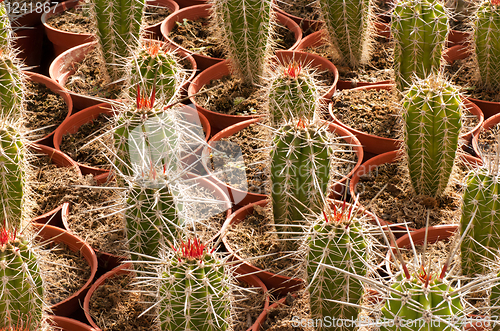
<point x="118" y="30"/>
<point x="486" y="35"/>
<point x="246" y="28"/>
<point x="336" y="240"/>
<point x="193" y="290"/>
<point x="293" y="93"/>
<point x="21" y="294"/>
<point x="11" y="86"/>
<point x="300" y="171"/>
<point x="348" y="24"/>
<point x="432" y="123"/>
<point x="419" y="29"/>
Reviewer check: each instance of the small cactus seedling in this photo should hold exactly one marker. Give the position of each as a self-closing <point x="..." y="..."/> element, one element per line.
<point x="21" y="294"/>
<point x="432" y="111"/>
<point x="487" y="48"/>
<point x="348" y="24"/>
<point x="194" y="290"/>
<point x="419" y="28"/>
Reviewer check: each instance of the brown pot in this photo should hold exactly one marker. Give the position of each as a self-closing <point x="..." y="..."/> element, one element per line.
<point x="201" y="11"/>
<point x="68" y="324"/>
<point x="188" y="3"/>
<point x="57" y="217"/>
<point x="154" y="31"/>
<point x="456" y="37"/>
<point x="57" y="157"/>
<point x="487" y="125"/>
<point x="49" y="234"/>
<point x="306" y="25"/>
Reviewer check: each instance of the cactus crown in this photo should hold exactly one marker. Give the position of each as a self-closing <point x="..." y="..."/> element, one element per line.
<point x="7" y="236"/>
<point x="193" y="249"/>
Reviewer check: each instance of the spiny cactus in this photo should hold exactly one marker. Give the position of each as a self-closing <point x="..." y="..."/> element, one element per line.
<point x="432" y="123"/>
<point x="5" y="28"/>
<point x="194" y="289"/>
<point x="486" y="35"/>
<point x="300" y="170"/>
<point x="495" y="305"/>
<point x="11" y="86"/>
<point x="336" y="240"/>
<point x="246" y="28"/>
<point x="348" y="23"/>
<point x="118" y="29"/>
<point x="21" y="294"/>
<point x="293" y="93"/>
<point x="419" y="29"/>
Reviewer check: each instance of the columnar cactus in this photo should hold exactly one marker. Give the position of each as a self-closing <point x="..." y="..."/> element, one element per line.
<point x="486" y="36"/>
<point x="21" y="288"/>
<point x="246" y="29"/>
<point x="336" y="240"/>
<point x="300" y="170"/>
<point x="194" y="289"/>
<point x="432" y="123"/>
<point x="11" y="86"/>
<point x="419" y="28"/>
<point x="293" y="93"/>
<point x="348" y="23"/>
<point x="5" y="28"/>
<point x="495" y="305"/>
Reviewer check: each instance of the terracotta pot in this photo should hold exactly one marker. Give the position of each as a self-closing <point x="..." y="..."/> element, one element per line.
<point x="188" y="3"/>
<point x="154" y="31"/>
<point x="57" y="157"/>
<point x="434" y="234"/>
<point x="456" y="37"/>
<point x="487" y="125"/>
<point x="126" y="268"/>
<point x="68" y="324"/>
<point x="202" y="11"/>
<point x="307" y="25"/>
<point x="311" y="61"/>
<point x="319" y="38"/>
<point x="56" y="88"/>
<point x="49" y="234"/>
<point x="57" y="217"/>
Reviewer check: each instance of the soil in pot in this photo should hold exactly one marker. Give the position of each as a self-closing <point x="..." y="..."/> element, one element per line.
<point x="75" y="20"/>
<point x="488" y="139"/>
<point x="45" y="110"/>
<point x="398" y="204"/>
<point x="155" y="14"/>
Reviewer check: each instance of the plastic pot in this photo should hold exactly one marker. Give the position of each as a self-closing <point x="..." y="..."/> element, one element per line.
<point x="68" y="324"/>
<point x="154" y="31"/>
<point x="188" y="3"/>
<point x="203" y="11"/>
<point x="487" y="125"/>
<point x="56" y="217"/>
<point x="307" y="25"/>
<point x="51" y="235"/>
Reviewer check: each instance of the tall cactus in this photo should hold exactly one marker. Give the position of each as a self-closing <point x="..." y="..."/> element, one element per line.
<point x="246" y="29"/>
<point x="300" y="170"/>
<point x="338" y="241"/>
<point x="495" y="305"/>
<point x="419" y="28"/>
<point x="348" y="23"/>
<point x="432" y="123"/>
<point x="487" y="48"/>
<point x="21" y="294"/>
<point x="11" y="86"/>
<point x="194" y="291"/>
<point x="5" y="28"/>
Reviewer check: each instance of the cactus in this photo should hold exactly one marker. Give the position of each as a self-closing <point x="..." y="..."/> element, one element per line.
<point x="5" y="28"/>
<point x="339" y="241"/>
<point x="419" y="28"/>
<point x="193" y="290"/>
<point x="300" y="170"/>
<point x="118" y="29"/>
<point x="432" y="123"/>
<point x="495" y="304"/>
<point x="293" y="93"/>
<point x="11" y="86"/>
<point x="245" y="28"/>
<point x="348" y="24"/>
<point x="21" y="294"/>
<point x="487" y="49"/>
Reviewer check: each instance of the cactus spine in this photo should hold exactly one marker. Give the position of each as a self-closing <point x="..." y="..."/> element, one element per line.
<point x="348" y="25"/>
<point x="21" y="294"/>
<point x="432" y="123"/>
<point x="338" y="242"/>
<point x="193" y="291"/>
<point x="300" y="170"/>
<point x="246" y="30"/>
<point x="487" y="48"/>
<point x="5" y="28"/>
<point x="419" y="28"/>
<point x="495" y="305"/>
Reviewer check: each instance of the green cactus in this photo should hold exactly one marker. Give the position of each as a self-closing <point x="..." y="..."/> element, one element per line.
<point x="11" y="87"/>
<point x="21" y="297"/>
<point x="5" y="28"/>
<point x="118" y="30"/>
<point x="348" y="24"/>
<point x="245" y="27"/>
<point x="193" y="291"/>
<point x="495" y="305"/>
<point x="300" y="170"/>
<point x="486" y="37"/>
<point x="293" y="93"/>
<point x="432" y="123"/>
<point x="338" y="241"/>
<point x="419" y="29"/>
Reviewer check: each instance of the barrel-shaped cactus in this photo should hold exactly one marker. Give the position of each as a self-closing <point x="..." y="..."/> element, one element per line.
<point x="194" y="290"/>
<point x="21" y="294"/>
<point x="246" y="29"/>
<point x="348" y="23"/>
<point x="338" y="241"/>
<point x="300" y="171"/>
<point x="11" y="86"/>
<point x="486" y="35"/>
<point x="432" y="123"/>
<point x="419" y="28"/>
